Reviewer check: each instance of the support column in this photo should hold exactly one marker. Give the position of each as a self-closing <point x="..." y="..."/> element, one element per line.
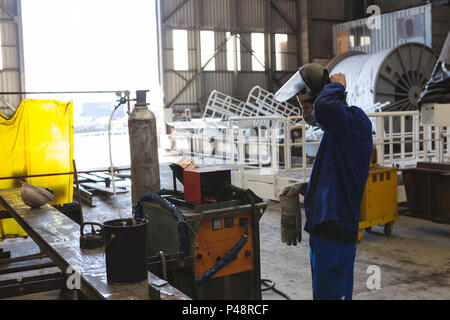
<point x="304" y="30"/>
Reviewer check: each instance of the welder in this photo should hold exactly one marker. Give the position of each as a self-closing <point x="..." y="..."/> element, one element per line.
<point x="333" y="195"/>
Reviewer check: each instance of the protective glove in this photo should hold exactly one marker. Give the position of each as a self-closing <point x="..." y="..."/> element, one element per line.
<point x="303" y="188"/>
<point x="291" y="219"/>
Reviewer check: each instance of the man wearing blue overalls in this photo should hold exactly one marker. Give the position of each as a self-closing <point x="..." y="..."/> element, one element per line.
<point x="335" y="189"/>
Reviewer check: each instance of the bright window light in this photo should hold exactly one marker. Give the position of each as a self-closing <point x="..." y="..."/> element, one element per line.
<point x="258" y="49"/>
<point x="70" y="46"/>
<point x="365" y="41"/>
<point x="281" y="42"/>
<point x="207" y="49"/>
<point x="180" y="50"/>
<point x="351" y="39"/>
<point x="231" y="53"/>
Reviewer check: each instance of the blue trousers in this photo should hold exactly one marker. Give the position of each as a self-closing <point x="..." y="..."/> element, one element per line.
<point x="332" y="266"/>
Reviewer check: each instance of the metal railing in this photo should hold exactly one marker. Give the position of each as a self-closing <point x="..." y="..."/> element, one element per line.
<point x="269" y="152"/>
<point x="399" y="137"/>
<point x="265" y="104"/>
<point x="222" y="106"/>
<point x="402" y="140"/>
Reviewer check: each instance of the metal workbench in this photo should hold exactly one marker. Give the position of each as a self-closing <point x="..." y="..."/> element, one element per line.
<point x="59" y="236"/>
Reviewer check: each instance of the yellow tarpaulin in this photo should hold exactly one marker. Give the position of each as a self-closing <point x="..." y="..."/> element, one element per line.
<point x="38" y="139"/>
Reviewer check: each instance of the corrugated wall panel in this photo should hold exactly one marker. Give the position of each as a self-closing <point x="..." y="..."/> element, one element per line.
<point x="221" y="58"/>
<point x="221" y="81"/>
<point x="440" y="26"/>
<point x="289" y="9"/>
<point x="194" y="64"/>
<point x="246" y="81"/>
<point x="251" y="15"/>
<point x="10" y="59"/>
<point x="292" y="63"/>
<point x="218" y="14"/>
<point x="168" y="53"/>
<point x="174" y="84"/>
<point x="10" y="6"/>
<point x="246" y="56"/>
<point x="10" y="76"/>
<point x="332" y="10"/>
<point x="184" y="17"/>
<point x="322" y="44"/>
<point x="9" y="34"/>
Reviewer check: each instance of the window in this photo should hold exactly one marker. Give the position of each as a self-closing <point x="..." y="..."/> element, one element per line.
<point x="365" y="41"/>
<point x="231" y="53"/>
<point x="351" y="40"/>
<point x="180" y="50"/>
<point x="281" y="48"/>
<point x="258" y="58"/>
<point x="410" y="27"/>
<point x="207" y="49"/>
<point x="360" y="36"/>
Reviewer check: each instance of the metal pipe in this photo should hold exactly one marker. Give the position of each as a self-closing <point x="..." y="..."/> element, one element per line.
<point x="392" y="113"/>
<point x="25" y="258"/>
<point x="57" y="92"/>
<point x="163" y="262"/>
<point x="62" y="174"/>
<point x="75" y="176"/>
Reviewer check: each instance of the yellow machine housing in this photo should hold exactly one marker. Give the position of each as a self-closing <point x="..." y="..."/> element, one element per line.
<point x="379" y="203"/>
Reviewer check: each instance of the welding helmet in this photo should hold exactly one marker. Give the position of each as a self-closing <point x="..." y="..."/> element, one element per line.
<point x="307" y="83"/>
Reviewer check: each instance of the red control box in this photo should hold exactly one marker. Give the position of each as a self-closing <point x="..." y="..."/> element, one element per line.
<point x="202" y="184"/>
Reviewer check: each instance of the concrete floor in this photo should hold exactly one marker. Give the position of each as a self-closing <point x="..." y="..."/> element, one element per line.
<point x="414" y="261"/>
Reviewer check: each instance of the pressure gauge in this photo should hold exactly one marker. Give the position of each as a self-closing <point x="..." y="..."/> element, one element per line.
<point x="217" y="224"/>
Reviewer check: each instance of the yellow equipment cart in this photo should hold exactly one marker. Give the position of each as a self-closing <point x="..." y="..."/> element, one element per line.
<point x="379" y="203"/>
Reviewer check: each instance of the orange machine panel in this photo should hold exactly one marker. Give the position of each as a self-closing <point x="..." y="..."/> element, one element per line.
<point x="214" y="239"/>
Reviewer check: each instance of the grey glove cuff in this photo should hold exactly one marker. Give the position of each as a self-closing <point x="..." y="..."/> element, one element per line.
<point x="290" y="206"/>
<point x="291" y="189"/>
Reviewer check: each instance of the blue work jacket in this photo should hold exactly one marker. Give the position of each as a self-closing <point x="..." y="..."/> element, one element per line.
<point x="341" y="166"/>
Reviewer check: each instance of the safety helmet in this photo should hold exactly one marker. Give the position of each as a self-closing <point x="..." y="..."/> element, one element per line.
<point x="307" y="83"/>
<point x="35" y="197"/>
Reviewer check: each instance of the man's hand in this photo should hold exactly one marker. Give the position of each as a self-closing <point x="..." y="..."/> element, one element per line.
<point x="339" y="78"/>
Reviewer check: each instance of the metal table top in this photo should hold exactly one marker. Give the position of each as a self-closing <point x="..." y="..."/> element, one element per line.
<point x="59" y="236"/>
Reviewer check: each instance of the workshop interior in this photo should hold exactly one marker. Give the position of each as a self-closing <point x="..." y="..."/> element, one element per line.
<point x="145" y="156"/>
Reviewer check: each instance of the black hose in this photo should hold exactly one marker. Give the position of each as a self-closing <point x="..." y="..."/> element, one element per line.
<point x="164" y="203"/>
<point x="271" y="286"/>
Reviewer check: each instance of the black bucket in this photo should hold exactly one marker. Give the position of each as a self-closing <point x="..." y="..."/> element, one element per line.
<point x="126" y="250"/>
